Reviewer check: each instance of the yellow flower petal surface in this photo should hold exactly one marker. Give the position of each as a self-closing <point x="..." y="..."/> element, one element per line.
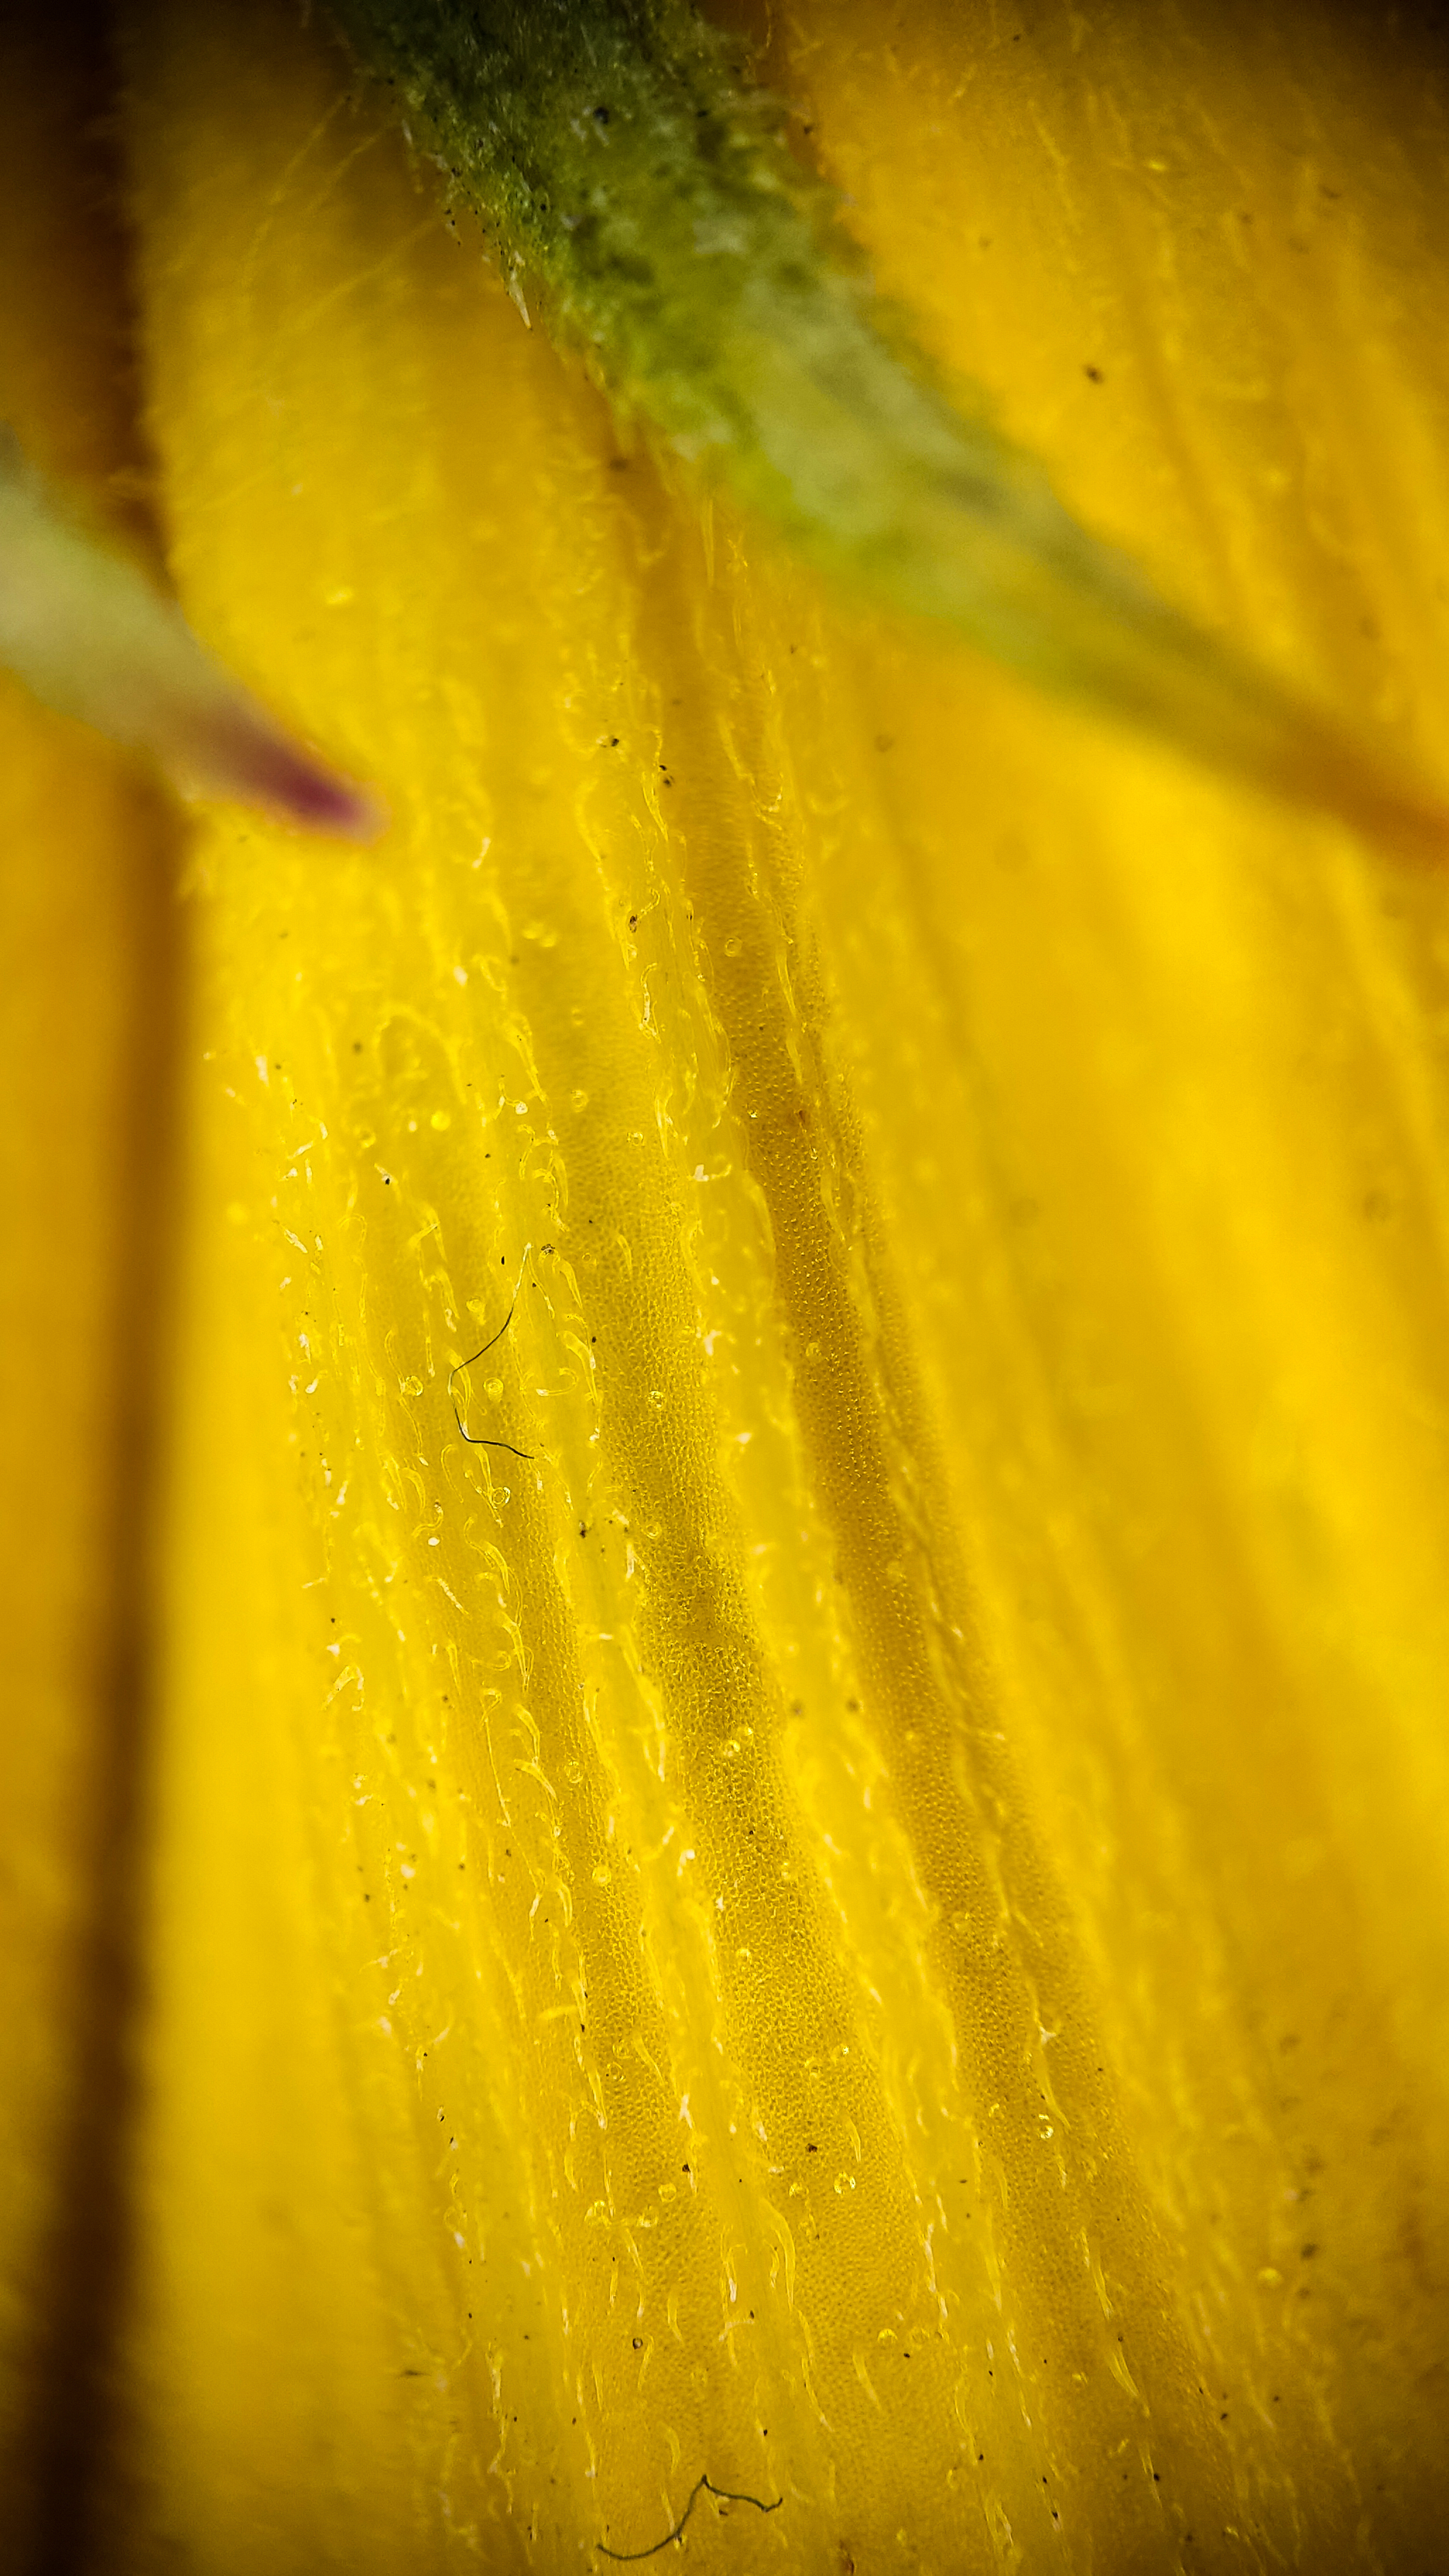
<point x="862" y="1920"/>
<point x="89" y="942"/>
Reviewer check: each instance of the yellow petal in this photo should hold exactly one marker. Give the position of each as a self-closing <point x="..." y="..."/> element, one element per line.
<point x="88" y="937"/>
<point x="864" y="1922"/>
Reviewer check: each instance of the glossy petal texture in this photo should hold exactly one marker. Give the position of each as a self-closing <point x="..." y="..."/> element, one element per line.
<point x="868" y="1920"/>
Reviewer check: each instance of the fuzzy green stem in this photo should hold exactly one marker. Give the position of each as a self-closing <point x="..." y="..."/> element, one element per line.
<point x="634" y="185"/>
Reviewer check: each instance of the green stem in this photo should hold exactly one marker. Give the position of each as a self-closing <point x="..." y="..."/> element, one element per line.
<point x="631" y="183"/>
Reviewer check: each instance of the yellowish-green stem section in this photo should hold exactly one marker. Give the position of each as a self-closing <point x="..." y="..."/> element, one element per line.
<point x="90" y="636"/>
<point x="636" y="188"/>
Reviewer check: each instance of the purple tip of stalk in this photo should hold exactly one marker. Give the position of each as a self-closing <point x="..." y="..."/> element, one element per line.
<point x="1346" y="777"/>
<point x="88" y="632"/>
<point x="236" y="751"/>
<point x="294" y="784"/>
